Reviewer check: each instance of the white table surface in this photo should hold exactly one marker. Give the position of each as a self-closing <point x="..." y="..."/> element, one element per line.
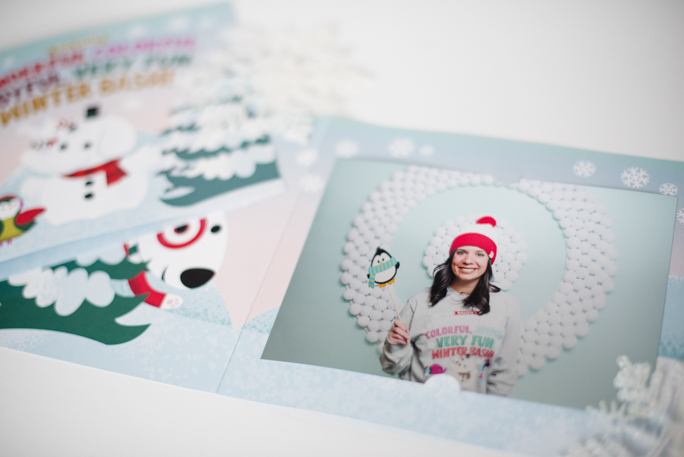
<point x="604" y="75"/>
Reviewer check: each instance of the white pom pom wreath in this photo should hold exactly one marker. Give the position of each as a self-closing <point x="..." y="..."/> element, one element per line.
<point x="372" y="337"/>
<point x="582" y="292"/>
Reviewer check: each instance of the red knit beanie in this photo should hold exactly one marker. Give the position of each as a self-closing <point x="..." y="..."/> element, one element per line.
<point x="481" y="235"/>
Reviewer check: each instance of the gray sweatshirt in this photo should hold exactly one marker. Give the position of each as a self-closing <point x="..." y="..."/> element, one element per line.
<point x="480" y="351"/>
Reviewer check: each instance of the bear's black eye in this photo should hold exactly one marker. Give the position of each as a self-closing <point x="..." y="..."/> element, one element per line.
<point x="180" y="229"/>
<point x="216" y="229"/>
<point x="86" y="146"/>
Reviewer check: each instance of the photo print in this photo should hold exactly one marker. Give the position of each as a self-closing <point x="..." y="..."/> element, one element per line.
<point x="568" y="261"/>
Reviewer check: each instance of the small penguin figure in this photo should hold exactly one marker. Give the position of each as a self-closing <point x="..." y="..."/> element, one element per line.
<point x="13" y="222"/>
<point x="383" y="269"/>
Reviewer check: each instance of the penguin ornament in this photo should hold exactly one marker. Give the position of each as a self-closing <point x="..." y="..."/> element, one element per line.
<point x="383" y="269"/>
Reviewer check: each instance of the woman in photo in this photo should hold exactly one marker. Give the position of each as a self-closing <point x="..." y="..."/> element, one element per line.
<point x="463" y="325"/>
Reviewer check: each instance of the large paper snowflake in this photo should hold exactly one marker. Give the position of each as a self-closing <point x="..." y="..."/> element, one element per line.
<point x="634" y="177"/>
<point x="650" y="420"/>
<point x="584" y="169"/>
<point x="668" y="189"/>
<point x="401" y="147"/>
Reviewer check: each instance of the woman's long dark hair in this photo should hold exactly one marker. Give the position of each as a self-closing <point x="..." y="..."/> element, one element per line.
<point x="445" y="276"/>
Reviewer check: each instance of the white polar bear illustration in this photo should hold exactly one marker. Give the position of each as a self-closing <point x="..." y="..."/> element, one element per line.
<point x="90" y="169"/>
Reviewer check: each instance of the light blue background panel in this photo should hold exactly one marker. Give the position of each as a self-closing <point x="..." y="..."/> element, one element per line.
<point x="314" y="325"/>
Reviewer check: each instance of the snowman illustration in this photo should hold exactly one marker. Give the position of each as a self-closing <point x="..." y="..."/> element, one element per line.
<point x="87" y="169"/>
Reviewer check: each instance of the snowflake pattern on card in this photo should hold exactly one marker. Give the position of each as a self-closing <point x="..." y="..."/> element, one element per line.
<point x="634" y="177"/>
<point x="346" y="149"/>
<point x="311" y="183"/>
<point x="307" y="157"/>
<point x="584" y="169"/>
<point x="401" y="147"/>
<point x="426" y="151"/>
<point x="668" y="189"/>
<point x="680" y="216"/>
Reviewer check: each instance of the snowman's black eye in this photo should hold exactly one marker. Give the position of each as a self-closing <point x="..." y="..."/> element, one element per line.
<point x="86" y="146"/>
<point x="180" y="229"/>
<point x="216" y="229"/>
<point x="63" y="146"/>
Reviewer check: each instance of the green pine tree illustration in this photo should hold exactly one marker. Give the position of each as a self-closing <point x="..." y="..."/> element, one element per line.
<point x="90" y="321"/>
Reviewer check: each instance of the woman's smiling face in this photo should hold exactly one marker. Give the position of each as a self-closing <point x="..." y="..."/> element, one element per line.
<point x="469" y="263"/>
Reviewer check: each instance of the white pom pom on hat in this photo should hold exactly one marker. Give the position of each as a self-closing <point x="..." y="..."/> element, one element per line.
<point x="481" y="235"/>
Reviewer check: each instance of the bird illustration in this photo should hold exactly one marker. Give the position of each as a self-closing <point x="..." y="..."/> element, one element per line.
<point x="13" y="222"/>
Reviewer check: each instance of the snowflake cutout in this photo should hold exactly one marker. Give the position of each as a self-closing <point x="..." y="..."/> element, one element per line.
<point x="680" y="216"/>
<point x="307" y="157"/>
<point x="668" y="189"/>
<point x="634" y="177"/>
<point x="311" y="183"/>
<point x="346" y="149"/>
<point x="401" y="147"/>
<point x="584" y="169"/>
<point x="646" y="421"/>
<point x="426" y="150"/>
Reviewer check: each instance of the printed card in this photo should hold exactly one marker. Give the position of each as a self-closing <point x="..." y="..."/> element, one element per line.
<point x="126" y="126"/>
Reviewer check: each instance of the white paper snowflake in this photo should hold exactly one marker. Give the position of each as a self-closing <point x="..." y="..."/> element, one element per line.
<point x="311" y="183"/>
<point x="680" y="216"/>
<point x="401" y="147"/>
<point x="584" y="169"/>
<point x="346" y="149"/>
<point x="668" y="189"/>
<point x="649" y="421"/>
<point x="634" y="177"/>
<point x="307" y="157"/>
<point x="426" y="150"/>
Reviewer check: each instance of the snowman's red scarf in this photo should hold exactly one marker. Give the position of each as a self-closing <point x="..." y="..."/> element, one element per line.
<point x="111" y="169"/>
<point x="140" y="286"/>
